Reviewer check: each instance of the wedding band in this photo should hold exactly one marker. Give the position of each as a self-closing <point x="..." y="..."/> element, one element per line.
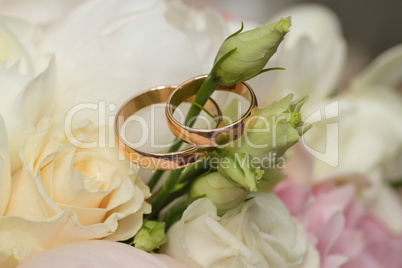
<point x="217" y="136"/>
<point x="172" y="160"/>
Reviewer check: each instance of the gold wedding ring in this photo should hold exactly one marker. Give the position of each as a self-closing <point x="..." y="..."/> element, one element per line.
<point x="217" y="136"/>
<point x="172" y="160"/>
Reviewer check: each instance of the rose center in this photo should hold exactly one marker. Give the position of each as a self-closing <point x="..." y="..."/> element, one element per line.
<point x="95" y="169"/>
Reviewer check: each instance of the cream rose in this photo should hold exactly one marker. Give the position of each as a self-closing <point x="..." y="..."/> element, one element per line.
<point x="64" y="193"/>
<point x="259" y="233"/>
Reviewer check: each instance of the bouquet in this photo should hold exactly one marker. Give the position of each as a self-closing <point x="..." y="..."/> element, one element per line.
<point x="305" y="176"/>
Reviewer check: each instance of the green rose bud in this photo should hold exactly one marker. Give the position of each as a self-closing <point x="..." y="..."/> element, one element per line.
<point x="244" y="55"/>
<point x="223" y="194"/>
<point x="240" y="169"/>
<point x="151" y="236"/>
<point x="276" y="129"/>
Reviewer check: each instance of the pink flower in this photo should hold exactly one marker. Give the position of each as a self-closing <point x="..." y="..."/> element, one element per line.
<point x="99" y="254"/>
<point x="341" y="228"/>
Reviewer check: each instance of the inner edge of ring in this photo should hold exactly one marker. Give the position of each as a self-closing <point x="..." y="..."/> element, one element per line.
<point x="251" y="98"/>
<point x="125" y="108"/>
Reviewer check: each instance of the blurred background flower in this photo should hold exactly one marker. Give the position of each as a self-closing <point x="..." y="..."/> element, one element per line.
<point x="369" y="26"/>
<point x="357" y="238"/>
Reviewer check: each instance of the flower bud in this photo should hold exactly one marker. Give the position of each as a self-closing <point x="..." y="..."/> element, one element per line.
<point x="239" y="168"/>
<point x="223" y="194"/>
<point x="276" y="129"/>
<point x="151" y="236"/>
<point x="244" y="55"/>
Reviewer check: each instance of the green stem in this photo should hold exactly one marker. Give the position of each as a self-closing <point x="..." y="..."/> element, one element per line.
<point x="396" y="184"/>
<point x="207" y="88"/>
<point x="158" y="201"/>
<point x="168" y="192"/>
<point x="154" y="179"/>
<point x="164" y="195"/>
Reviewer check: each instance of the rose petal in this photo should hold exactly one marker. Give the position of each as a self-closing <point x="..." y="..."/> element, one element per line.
<point x="26" y="198"/>
<point x="297" y="199"/>
<point x="31" y="236"/>
<point x="335" y="261"/>
<point x="315" y="40"/>
<point x="5" y="173"/>
<point x="99" y="254"/>
<point x="40" y="12"/>
<point x="384" y="70"/>
<point x="38" y="98"/>
<point x="327" y="239"/>
<point x="30" y="100"/>
<point x="123" y="69"/>
<point x="388" y="208"/>
<point x="258" y="233"/>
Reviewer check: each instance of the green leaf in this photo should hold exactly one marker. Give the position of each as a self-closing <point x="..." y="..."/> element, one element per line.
<point x="236" y="33"/>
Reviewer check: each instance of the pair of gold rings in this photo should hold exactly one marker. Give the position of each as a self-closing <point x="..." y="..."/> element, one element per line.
<point x="203" y="141"/>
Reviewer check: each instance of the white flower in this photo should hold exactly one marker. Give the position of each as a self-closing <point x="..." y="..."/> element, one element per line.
<point x="110" y="50"/>
<point x="259" y="233"/>
<point x="26" y="82"/>
<point x="39" y="12"/>
<point x="64" y="193"/>
<point x="312" y="54"/>
<point x="5" y="174"/>
<point x="384" y="74"/>
<point x="102" y="51"/>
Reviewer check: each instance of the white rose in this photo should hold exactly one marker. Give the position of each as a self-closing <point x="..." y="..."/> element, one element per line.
<point x="38" y="12"/>
<point x="25" y="86"/>
<point x="64" y="193"/>
<point x="26" y="82"/>
<point x="103" y="51"/>
<point x="259" y="233"/>
<point x="5" y="174"/>
<point x="315" y="40"/>
<point x="109" y="50"/>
